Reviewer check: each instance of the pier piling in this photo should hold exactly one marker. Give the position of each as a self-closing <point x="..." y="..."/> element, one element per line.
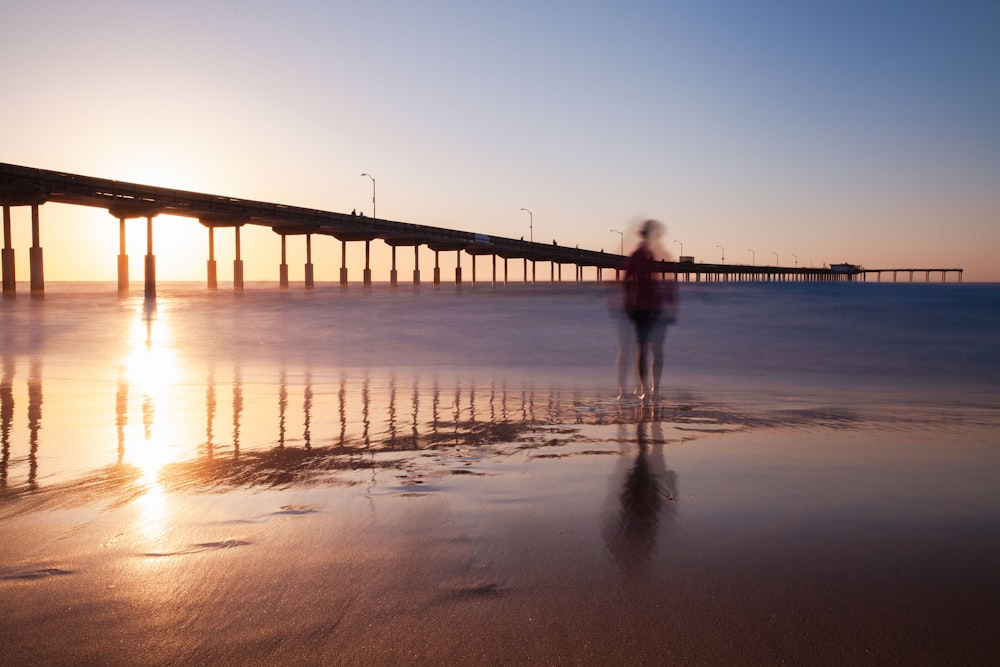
<point x="393" y="275"/>
<point x="122" y="259"/>
<point x="35" y="256"/>
<point x="416" y="266"/>
<point x="149" y="274"/>
<point x="238" y="264"/>
<point x="283" y="267"/>
<point x="211" y="268"/>
<point x="9" y="281"/>
<point x="343" y="263"/>
<point x="309" y="282"/>
<point x="366" y="277"/>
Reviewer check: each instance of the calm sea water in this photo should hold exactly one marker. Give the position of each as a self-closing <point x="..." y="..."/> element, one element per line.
<point x="266" y="367"/>
<point x="914" y="337"/>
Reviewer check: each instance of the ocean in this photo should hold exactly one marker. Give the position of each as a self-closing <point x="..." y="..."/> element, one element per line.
<point x="804" y="438"/>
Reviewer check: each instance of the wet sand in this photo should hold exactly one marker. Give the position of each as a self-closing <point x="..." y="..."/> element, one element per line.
<point x="571" y="529"/>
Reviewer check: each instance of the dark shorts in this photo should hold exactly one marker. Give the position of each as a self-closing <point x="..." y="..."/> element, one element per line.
<point x="646" y="323"/>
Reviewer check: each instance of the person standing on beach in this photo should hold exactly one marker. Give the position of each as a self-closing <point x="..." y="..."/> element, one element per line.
<point x="650" y="304"/>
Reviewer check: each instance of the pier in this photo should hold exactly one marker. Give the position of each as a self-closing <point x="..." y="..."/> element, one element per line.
<point x="689" y="271"/>
<point x="30" y="187"/>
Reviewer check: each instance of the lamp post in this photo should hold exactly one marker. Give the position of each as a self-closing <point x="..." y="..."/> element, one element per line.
<point x="753" y="257"/>
<point x="531" y="225"/>
<point x="796" y="260"/>
<point x="723" y="253"/>
<point x="777" y="262"/>
<point x="621" y="234"/>
<point x="681" y="245"/>
<point x="373" y="194"/>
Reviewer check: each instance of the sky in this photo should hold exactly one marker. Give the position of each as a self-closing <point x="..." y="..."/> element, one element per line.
<point x="759" y="131"/>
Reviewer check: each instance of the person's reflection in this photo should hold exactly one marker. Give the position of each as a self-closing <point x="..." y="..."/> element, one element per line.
<point x="645" y="487"/>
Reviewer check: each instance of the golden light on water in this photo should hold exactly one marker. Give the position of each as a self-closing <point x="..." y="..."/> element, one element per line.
<point x="150" y="370"/>
<point x="151" y="364"/>
<point x="152" y="512"/>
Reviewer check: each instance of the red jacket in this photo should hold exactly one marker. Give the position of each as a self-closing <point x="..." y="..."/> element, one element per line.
<point x="644" y="288"/>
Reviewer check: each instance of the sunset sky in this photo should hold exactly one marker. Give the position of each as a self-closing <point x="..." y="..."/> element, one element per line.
<point x="812" y="132"/>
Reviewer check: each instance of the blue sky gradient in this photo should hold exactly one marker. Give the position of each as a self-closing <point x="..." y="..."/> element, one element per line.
<point x="821" y="131"/>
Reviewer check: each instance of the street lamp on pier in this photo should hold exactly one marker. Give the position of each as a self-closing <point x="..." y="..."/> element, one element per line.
<point x="777" y="262"/>
<point x="753" y="257"/>
<point x="681" y="245"/>
<point x="531" y="225"/>
<point x="796" y="260"/>
<point x="723" y="253"/>
<point x="621" y="234"/>
<point x="373" y="194"/>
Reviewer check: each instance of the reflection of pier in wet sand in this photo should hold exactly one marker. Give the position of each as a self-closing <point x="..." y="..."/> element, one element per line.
<point x="303" y="426"/>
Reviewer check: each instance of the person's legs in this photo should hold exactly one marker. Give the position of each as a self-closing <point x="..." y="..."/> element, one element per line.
<point x="657" y="370"/>
<point x="625" y="337"/>
<point x="643" y="320"/>
<point x="657" y="337"/>
<point x="642" y="349"/>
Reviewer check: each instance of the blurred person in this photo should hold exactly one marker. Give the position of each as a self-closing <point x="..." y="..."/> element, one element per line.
<point x="625" y="334"/>
<point x="650" y="304"/>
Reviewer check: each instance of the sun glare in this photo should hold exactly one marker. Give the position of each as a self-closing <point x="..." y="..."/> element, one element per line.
<point x="151" y="363"/>
<point x="150" y="368"/>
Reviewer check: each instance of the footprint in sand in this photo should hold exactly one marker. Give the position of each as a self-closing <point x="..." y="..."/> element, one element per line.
<point x="27" y="575"/>
<point x="296" y="510"/>
<point x="200" y="547"/>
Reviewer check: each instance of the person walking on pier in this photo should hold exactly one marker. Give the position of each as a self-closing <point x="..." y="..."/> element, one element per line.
<point x="650" y="304"/>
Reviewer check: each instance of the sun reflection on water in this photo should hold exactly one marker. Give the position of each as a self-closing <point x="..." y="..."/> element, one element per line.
<point x="151" y="365"/>
<point x="150" y="368"/>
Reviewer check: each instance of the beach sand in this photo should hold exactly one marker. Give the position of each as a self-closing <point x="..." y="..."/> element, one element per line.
<point x="470" y="525"/>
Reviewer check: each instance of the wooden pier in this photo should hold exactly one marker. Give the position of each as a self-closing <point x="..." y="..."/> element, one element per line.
<point x="694" y="272"/>
<point x="25" y="186"/>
